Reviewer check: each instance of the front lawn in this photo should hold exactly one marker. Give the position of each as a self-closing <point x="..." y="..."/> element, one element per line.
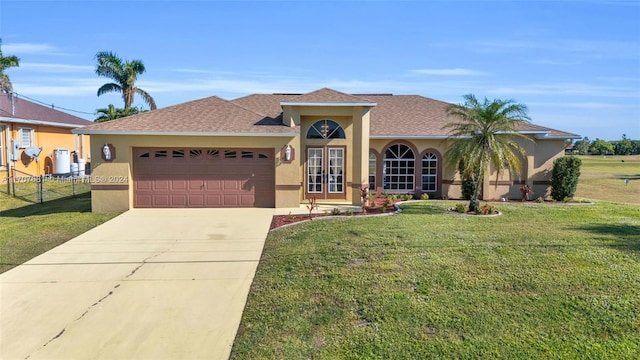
<point x="27" y="230"/>
<point x="603" y="178"/>
<point x="540" y="281"/>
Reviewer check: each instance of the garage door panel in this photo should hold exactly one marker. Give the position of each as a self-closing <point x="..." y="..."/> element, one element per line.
<point x="178" y="200"/>
<point x="160" y="185"/>
<point x="179" y="185"/>
<point x="196" y="200"/>
<point x="203" y="177"/>
<point x="213" y="185"/>
<point x="160" y="200"/>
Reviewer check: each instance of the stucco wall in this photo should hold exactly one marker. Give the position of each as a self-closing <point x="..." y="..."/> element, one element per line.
<point x="535" y="169"/>
<point x="419" y="147"/>
<point x="47" y="137"/>
<point x="111" y="180"/>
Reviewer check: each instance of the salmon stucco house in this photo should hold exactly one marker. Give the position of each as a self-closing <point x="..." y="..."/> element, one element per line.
<point x="279" y="150"/>
<point x="25" y="124"/>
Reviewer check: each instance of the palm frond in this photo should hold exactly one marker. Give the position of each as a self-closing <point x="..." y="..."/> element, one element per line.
<point x="147" y="98"/>
<point x="108" y="88"/>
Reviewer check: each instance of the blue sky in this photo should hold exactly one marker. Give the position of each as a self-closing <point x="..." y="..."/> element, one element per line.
<point x="575" y="64"/>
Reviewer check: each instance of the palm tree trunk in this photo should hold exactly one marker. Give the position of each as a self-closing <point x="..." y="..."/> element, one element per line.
<point x="478" y="179"/>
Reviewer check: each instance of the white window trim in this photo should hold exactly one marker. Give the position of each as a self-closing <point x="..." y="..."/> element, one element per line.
<point x="396" y="168"/>
<point x="31" y="131"/>
<point x="427" y="159"/>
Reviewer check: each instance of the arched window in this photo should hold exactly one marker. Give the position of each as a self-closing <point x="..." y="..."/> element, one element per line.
<point x="399" y="168"/>
<point x="372" y="171"/>
<point x="325" y="129"/>
<point x="429" y="172"/>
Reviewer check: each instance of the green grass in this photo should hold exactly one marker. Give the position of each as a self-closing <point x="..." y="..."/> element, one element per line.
<point x="28" y="230"/>
<point x="540" y="281"/>
<point x="603" y="178"/>
<point x="24" y="192"/>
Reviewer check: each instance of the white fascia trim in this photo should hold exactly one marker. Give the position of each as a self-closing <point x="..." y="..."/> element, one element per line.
<point x="408" y="137"/>
<point x="40" y="122"/>
<point x="557" y="137"/>
<point x="293" y="103"/>
<point x="190" y="133"/>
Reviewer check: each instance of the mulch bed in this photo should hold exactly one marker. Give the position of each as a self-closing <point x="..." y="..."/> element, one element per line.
<point x="281" y="220"/>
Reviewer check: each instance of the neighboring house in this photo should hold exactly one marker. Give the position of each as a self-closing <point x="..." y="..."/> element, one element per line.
<point x="27" y="124"/>
<point x="280" y="150"/>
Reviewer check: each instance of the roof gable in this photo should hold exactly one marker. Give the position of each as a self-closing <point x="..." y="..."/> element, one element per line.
<point x="27" y="110"/>
<point x="209" y="115"/>
<point x="326" y="95"/>
<point x="393" y="116"/>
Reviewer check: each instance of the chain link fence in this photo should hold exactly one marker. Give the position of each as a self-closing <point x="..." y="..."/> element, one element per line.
<point x="38" y="189"/>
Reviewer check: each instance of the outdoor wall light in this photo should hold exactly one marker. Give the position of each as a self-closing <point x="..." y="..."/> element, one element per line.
<point x="108" y="152"/>
<point x="287" y="153"/>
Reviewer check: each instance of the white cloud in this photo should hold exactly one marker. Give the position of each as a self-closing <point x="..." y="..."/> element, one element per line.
<point x="55" y="68"/>
<point x="566" y="89"/>
<point x="29" y="48"/>
<point x="450" y="72"/>
<point x="575" y="105"/>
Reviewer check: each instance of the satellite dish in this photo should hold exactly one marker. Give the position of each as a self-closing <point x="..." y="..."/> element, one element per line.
<point x="32" y="151"/>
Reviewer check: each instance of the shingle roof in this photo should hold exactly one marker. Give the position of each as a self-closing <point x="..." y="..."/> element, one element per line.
<point x="27" y="110"/>
<point x="408" y="115"/>
<point x="392" y="116"/>
<point x="326" y="95"/>
<point x="208" y="115"/>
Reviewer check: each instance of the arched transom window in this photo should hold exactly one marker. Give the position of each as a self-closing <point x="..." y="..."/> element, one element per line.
<point x="398" y="168"/>
<point x="429" y="172"/>
<point x="325" y="129"/>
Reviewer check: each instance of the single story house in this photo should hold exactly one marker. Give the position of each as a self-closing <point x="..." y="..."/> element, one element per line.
<point x="280" y="150"/>
<point x="25" y="124"/>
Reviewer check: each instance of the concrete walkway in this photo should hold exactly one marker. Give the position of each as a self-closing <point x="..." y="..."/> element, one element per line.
<point x="149" y="284"/>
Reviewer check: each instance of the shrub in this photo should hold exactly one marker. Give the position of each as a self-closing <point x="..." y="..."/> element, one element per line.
<point x="407" y="197"/>
<point x="424" y="196"/>
<point x="461" y="208"/>
<point x="486" y="209"/>
<point x="539" y="200"/>
<point x="349" y="212"/>
<point x="564" y="177"/>
<point x="335" y="211"/>
<point x="468" y="184"/>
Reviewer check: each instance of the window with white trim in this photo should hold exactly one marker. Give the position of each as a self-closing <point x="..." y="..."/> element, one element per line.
<point x="429" y="172"/>
<point x="372" y="171"/>
<point x="25" y="137"/>
<point x="325" y="129"/>
<point x="2" y="130"/>
<point x="398" y="168"/>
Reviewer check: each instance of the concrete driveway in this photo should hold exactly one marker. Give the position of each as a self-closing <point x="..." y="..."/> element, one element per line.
<point x="149" y="284"/>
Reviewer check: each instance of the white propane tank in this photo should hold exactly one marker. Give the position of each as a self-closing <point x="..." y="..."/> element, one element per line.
<point x="61" y="162"/>
<point x="81" y="167"/>
<point x="74" y="169"/>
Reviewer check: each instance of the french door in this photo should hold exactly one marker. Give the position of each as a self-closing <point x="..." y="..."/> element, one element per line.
<point x="325" y="173"/>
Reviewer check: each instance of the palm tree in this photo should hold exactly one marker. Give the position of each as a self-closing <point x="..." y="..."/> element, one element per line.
<point x="124" y="74"/>
<point x="5" y="63"/>
<point x="111" y="113"/>
<point x="483" y="135"/>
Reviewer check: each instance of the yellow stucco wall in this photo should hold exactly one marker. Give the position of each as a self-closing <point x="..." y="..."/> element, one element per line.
<point x="290" y="177"/>
<point x="119" y="171"/>
<point x="535" y="168"/>
<point x="47" y="137"/>
<point x="419" y="147"/>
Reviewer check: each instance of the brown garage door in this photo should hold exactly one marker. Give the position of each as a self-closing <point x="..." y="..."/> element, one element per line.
<point x="184" y="177"/>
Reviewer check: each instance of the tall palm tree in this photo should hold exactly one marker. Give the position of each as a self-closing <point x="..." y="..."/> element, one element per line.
<point x="124" y="74"/>
<point x="5" y="63"/>
<point x="483" y="135"/>
<point x="111" y="113"/>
